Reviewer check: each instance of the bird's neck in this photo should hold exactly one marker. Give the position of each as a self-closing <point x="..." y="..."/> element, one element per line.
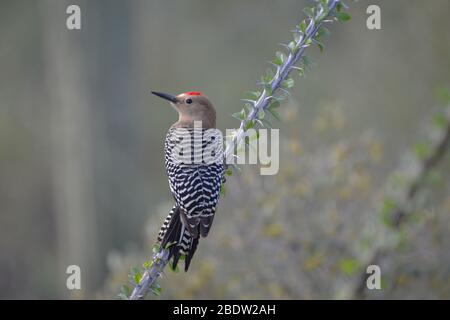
<point x="189" y="121"/>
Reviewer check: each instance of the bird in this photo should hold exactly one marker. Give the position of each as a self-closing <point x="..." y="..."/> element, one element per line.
<point x="195" y="171"/>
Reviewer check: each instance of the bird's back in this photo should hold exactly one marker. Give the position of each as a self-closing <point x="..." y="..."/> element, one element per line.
<point x="194" y="166"/>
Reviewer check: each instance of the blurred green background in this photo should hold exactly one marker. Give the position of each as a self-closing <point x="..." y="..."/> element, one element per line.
<point x="82" y="177"/>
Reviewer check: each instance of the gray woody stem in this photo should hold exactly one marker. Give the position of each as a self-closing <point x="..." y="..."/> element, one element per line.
<point x="282" y="73"/>
<point x="150" y="275"/>
<point x="160" y="260"/>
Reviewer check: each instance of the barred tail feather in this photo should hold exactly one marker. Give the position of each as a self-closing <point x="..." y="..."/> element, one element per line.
<point x="192" y="250"/>
<point x="176" y="237"/>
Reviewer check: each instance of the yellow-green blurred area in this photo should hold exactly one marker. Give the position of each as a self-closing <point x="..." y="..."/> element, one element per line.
<point x="82" y="178"/>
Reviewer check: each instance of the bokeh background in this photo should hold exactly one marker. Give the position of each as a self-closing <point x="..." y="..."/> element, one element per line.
<point x="82" y="177"/>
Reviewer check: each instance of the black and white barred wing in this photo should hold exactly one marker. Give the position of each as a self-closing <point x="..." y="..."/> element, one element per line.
<point x="195" y="170"/>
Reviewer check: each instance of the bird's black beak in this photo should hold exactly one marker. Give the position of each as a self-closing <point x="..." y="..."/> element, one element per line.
<point x="166" y="96"/>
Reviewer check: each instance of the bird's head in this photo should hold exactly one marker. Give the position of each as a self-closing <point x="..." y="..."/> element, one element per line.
<point x="191" y="106"/>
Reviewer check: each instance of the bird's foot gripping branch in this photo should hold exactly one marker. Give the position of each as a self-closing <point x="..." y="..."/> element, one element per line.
<point x="258" y="107"/>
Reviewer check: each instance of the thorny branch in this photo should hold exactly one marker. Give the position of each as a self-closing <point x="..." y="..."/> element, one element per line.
<point x="324" y="11"/>
<point x="282" y="73"/>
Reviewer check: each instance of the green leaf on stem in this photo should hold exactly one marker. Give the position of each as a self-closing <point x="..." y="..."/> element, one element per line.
<point x="309" y="11"/>
<point x="242" y="115"/>
<point x="275" y="114"/>
<point x="253" y="95"/>
<point x="279" y="59"/>
<point x="288" y="83"/>
<point x="343" y="16"/>
<point x="124" y="292"/>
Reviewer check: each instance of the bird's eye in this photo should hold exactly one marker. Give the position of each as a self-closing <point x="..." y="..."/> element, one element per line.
<point x="189" y="101"/>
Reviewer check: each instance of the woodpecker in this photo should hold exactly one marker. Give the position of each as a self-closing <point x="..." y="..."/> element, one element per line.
<point x="195" y="170"/>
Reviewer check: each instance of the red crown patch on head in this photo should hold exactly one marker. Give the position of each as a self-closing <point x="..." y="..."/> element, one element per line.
<point x="193" y="93"/>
